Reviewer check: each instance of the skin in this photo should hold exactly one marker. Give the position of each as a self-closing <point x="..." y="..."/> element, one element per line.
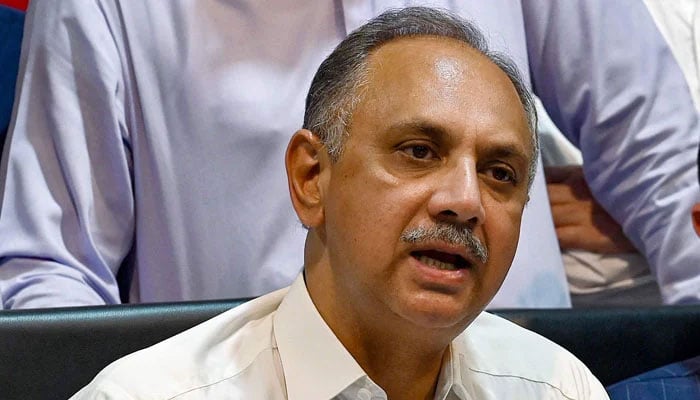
<point x="580" y="222"/>
<point x="439" y="136"/>
<point x="696" y="218"/>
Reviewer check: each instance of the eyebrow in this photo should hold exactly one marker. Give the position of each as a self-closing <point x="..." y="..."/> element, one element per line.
<point x="508" y="150"/>
<point x="499" y="149"/>
<point x="436" y="132"/>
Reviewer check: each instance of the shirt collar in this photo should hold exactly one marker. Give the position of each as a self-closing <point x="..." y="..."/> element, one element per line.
<point x="322" y="371"/>
<point x="451" y="384"/>
<point x="329" y="369"/>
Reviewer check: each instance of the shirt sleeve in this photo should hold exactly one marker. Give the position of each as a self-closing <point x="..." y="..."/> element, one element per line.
<point x="67" y="213"/>
<point x="588" y="386"/>
<point x="611" y="84"/>
<point x="104" y="390"/>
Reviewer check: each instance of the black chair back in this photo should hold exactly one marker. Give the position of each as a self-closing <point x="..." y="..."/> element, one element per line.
<point x="52" y="353"/>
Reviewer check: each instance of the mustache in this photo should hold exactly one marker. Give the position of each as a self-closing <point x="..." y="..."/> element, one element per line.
<point x="449" y="233"/>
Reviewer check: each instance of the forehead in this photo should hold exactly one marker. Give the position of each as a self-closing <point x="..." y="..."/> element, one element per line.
<point x="443" y="81"/>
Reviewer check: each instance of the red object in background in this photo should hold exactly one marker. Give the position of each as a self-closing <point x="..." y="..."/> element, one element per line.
<point x="18" y="4"/>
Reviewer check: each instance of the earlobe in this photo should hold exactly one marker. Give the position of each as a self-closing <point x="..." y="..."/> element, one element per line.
<point x="304" y="167"/>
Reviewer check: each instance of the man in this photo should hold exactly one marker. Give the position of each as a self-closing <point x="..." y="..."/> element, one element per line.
<point x="150" y="134"/>
<point x="411" y="176"/>
<point x="676" y="381"/>
<point x="696" y="207"/>
<point x="679" y="23"/>
<point x="602" y="266"/>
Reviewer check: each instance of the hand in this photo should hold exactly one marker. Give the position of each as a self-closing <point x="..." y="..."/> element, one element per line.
<point x="580" y="222"/>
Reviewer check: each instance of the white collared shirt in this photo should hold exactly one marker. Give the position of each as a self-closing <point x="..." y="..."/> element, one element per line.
<point x="279" y="347"/>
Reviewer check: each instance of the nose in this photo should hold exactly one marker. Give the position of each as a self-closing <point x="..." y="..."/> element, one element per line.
<point x="456" y="197"/>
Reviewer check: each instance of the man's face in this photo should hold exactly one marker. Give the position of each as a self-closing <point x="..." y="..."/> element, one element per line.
<point x="439" y="138"/>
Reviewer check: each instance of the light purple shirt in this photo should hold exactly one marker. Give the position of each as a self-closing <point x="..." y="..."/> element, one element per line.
<point x="159" y="127"/>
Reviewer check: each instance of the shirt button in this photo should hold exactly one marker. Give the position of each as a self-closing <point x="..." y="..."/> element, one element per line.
<point x="364" y="394"/>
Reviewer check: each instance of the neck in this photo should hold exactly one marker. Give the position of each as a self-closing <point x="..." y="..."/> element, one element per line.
<point x="403" y="359"/>
<point x="406" y="365"/>
<point x="401" y="370"/>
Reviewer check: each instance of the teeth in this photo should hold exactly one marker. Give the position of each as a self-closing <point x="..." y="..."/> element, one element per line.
<point x="437" y="264"/>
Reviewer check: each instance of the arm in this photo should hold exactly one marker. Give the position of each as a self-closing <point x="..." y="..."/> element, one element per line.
<point x="581" y="222"/>
<point x="66" y="220"/>
<point x="610" y="82"/>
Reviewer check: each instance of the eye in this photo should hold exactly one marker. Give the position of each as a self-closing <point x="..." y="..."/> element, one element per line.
<point x="419" y="151"/>
<point x="502" y="174"/>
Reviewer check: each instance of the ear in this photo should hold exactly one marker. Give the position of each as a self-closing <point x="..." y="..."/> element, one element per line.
<point x="305" y="161"/>
<point x="696" y="218"/>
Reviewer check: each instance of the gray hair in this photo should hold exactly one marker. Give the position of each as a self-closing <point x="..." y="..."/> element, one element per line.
<point x="336" y="87"/>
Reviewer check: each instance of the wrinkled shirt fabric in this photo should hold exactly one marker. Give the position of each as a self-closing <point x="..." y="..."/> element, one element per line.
<point x="155" y="131"/>
<point x="279" y="347"/>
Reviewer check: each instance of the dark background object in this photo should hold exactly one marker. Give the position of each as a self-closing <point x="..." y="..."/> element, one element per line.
<point x="52" y="353"/>
<point x="11" y="27"/>
<point x="618" y="343"/>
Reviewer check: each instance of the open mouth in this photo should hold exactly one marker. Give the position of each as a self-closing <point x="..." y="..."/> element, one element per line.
<point x="441" y="260"/>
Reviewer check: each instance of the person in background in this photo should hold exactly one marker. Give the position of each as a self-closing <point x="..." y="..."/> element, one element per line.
<point x="415" y="125"/>
<point x="696" y="207"/>
<point x="128" y="116"/>
<point x="677" y="381"/>
<point x="603" y="268"/>
<point x="679" y="22"/>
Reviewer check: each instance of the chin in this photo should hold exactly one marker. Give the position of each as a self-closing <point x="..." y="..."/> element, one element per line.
<point x="440" y="311"/>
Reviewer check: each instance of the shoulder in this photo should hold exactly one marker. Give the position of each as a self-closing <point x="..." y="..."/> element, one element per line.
<point x="209" y="354"/>
<point x="683" y="377"/>
<point x="510" y="357"/>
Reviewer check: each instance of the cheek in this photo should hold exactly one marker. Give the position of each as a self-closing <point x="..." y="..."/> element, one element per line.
<point x="503" y="231"/>
<point x="370" y="211"/>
